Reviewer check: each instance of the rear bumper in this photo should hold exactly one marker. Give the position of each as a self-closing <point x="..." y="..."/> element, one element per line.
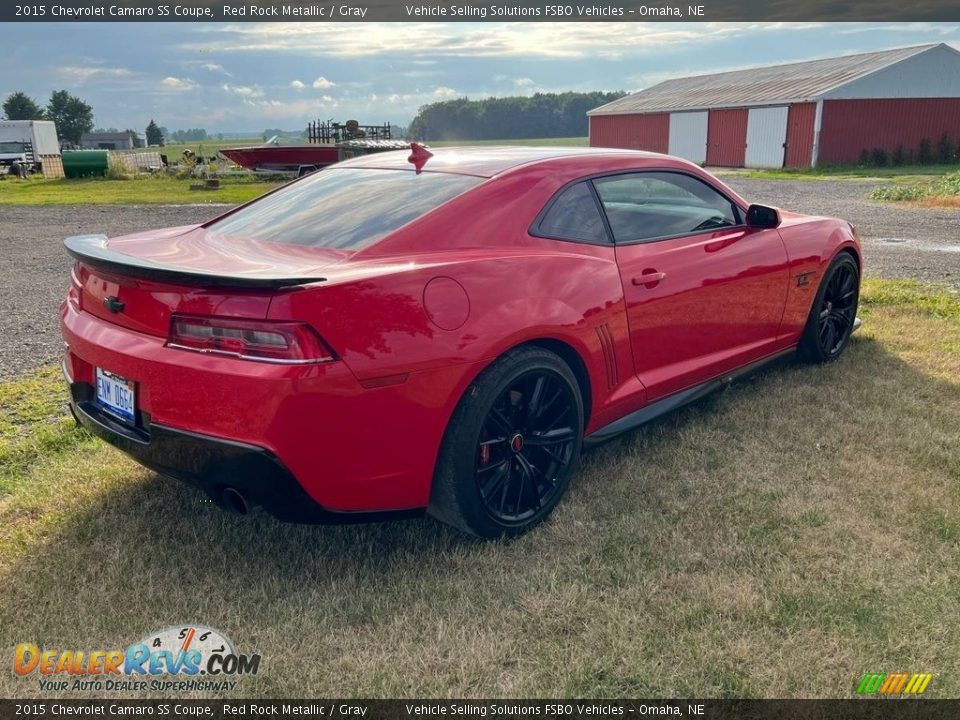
<point x="213" y="464"/>
<point x="293" y="437"/>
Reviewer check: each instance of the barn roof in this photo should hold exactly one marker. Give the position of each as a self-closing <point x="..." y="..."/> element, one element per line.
<point x="768" y="85"/>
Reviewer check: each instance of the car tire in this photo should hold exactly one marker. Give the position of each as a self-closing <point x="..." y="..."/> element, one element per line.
<point x="511" y="446"/>
<point x="833" y="313"/>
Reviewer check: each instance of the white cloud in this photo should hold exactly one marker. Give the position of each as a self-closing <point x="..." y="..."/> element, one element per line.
<point x="174" y="84"/>
<point x="299" y="111"/>
<point x="321" y="83"/>
<point x="81" y="74"/>
<point x="297" y="85"/>
<point x="216" y="68"/>
<point x="915" y="27"/>
<point x="522" y="82"/>
<point x="434" y="42"/>
<point x="210" y="67"/>
<point x="243" y="90"/>
<point x="414" y="74"/>
<point x="443" y="91"/>
<point x="419" y="40"/>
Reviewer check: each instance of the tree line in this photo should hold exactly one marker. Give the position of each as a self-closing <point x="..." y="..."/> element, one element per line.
<point x="73" y="117"/>
<point x="71" y="114"/>
<point x="536" y="116"/>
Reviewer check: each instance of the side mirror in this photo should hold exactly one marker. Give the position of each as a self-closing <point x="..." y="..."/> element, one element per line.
<point x="762" y="216"/>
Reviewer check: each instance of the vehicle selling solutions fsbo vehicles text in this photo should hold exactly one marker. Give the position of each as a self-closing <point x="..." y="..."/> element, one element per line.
<point x="482" y="11"/>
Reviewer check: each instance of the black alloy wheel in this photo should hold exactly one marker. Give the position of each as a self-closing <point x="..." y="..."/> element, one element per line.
<point x="838" y="309"/>
<point x="511" y="446"/>
<point x="525" y="444"/>
<point x="834" y="312"/>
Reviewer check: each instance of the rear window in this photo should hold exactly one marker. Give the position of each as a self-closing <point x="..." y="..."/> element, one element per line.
<point x="343" y="208"/>
<point x="574" y="215"/>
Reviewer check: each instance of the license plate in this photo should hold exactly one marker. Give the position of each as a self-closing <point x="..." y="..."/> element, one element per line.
<point x="116" y="395"/>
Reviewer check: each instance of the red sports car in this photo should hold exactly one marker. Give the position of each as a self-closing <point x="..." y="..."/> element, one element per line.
<point x="445" y="333"/>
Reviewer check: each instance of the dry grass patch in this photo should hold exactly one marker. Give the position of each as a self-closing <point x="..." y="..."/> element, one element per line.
<point x="779" y="539"/>
<point x="939" y="202"/>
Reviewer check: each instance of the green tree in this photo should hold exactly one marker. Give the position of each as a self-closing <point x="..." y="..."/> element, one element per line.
<point x="71" y="114"/>
<point x="191" y="135"/>
<point x="154" y="135"/>
<point x="536" y="116"/>
<point x="20" y="106"/>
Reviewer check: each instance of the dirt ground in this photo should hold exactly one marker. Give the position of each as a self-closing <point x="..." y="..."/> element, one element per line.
<point x="898" y="242"/>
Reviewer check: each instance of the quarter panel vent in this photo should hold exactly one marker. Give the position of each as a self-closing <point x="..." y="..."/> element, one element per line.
<point x="609" y="356"/>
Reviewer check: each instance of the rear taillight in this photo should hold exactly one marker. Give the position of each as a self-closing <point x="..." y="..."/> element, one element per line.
<point x="279" y="342"/>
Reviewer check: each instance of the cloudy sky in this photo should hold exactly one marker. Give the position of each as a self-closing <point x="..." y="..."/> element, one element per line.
<point x="247" y="77"/>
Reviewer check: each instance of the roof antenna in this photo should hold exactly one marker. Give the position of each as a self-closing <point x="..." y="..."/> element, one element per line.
<point x="419" y="156"/>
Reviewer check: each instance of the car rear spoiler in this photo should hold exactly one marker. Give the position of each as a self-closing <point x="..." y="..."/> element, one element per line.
<point x="92" y="250"/>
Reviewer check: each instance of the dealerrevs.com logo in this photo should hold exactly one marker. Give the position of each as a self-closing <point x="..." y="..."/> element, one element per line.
<point x="177" y="658"/>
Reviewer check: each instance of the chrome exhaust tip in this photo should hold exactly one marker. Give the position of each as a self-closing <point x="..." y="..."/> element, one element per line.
<point x="233" y="500"/>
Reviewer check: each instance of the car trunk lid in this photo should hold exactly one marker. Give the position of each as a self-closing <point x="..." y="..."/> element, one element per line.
<point x="138" y="281"/>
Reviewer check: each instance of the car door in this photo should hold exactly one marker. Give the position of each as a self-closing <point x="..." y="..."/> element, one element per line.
<point x="705" y="294"/>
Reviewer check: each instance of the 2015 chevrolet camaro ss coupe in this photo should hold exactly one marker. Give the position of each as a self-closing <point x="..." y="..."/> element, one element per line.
<point x="445" y="333"/>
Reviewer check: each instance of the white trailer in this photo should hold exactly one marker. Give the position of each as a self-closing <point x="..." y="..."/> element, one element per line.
<point x="33" y="144"/>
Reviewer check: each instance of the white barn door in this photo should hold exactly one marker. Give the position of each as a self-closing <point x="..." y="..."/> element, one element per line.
<point x="766" y="134"/>
<point x="688" y="136"/>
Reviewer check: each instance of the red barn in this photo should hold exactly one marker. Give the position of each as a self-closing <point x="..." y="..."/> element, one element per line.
<point x="821" y="112"/>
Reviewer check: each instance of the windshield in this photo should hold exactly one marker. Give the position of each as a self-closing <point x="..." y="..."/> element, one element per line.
<point x="11" y="147"/>
<point x="343" y="208"/>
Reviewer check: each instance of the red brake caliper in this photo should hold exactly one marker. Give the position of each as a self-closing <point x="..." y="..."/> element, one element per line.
<point x="484" y="455"/>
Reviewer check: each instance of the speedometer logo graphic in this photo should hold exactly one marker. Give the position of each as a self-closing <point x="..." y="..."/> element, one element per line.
<point x="206" y="640"/>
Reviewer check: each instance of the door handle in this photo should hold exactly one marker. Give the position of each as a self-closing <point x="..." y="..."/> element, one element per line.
<point x="649" y="278"/>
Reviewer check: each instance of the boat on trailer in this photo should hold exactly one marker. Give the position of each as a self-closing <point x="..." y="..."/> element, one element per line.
<point x="324" y="147"/>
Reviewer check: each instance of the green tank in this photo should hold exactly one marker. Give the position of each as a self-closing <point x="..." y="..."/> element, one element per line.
<point x="85" y="163"/>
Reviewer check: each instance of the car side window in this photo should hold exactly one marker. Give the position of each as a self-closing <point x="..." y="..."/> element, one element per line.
<point x="574" y="215"/>
<point x="650" y="205"/>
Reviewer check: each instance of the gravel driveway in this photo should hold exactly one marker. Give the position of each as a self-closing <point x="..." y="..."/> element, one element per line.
<point x="898" y="242"/>
<point x="36" y="269"/>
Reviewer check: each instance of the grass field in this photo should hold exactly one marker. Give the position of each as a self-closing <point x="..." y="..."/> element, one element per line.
<point x="779" y="539"/>
<point x="144" y="190"/>
<point x="174" y="151"/>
